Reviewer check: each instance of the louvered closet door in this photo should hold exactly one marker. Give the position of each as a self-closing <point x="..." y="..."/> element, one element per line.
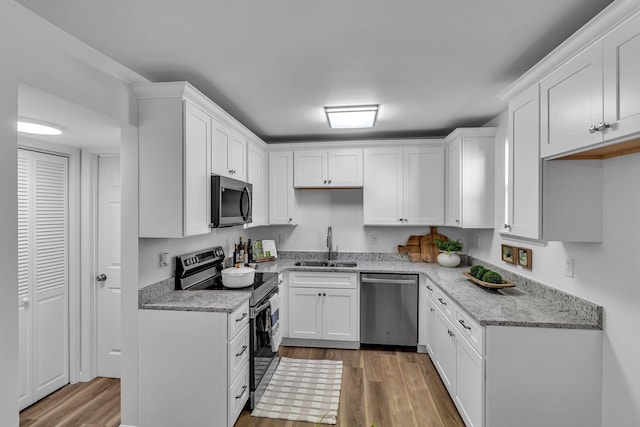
<point x="43" y="272"/>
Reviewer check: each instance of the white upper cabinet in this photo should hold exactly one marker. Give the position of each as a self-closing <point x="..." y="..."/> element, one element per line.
<point x="470" y="189"/>
<point x="174" y="169"/>
<point x="621" y="82"/>
<point x="571" y="104"/>
<point x="593" y="98"/>
<point x="524" y="166"/>
<point x="404" y="185"/>
<point x="228" y="153"/>
<point x="340" y="168"/>
<point x="282" y="204"/>
<point x="257" y="176"/>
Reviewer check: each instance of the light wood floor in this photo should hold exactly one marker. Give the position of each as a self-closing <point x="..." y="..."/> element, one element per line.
<point x="92" y="404"/>
<point x="379" y="386"/>
<point x="382" y="387"/>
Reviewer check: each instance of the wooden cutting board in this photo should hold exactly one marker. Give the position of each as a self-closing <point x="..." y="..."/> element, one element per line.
<point x="412" y="248"/>
<point x="428" y="250"/>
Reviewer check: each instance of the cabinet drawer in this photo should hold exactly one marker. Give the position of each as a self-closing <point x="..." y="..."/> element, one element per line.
<point x="237" y="320"/>
<point x="470" y="329"/>
<point x="444" y="303"/>
<point x="238" y="395"/>
<point x="311" y="279"/>
<point x="238" y="350"/>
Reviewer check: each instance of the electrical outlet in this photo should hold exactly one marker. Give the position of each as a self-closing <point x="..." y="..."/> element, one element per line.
<point x="163" y="259"/>
<point x="374" y="239"/>
<point x="568" y="267"/>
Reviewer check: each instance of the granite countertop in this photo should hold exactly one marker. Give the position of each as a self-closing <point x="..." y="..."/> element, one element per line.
<point x="523" y="305"/>
<point x="215" y="301"/>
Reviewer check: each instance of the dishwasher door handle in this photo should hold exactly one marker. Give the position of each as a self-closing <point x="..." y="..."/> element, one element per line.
<point x="389" y="281"/>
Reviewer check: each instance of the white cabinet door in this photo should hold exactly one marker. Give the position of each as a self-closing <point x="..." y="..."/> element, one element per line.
<point x="345" y="168"/>
<point x="197" y="182"/>
<point x="238" y="156"/>
<point x="310" y="168"/>
<point x="470" y="383"/>
<point x="423" y="185"/>
<point x="621" y="83"/>
<point x="524" y="167"/>
<point x="256" y="175"/>
<point x="282" y="204"/>
<point x="431" y="322"/>
<point x="454" y="197"/>
<point x="340" y="320"/>
<point x="228" y="152"/>
<point x="305" y="313"/>
<point x="220" y="149"/>
<point x="446" y="352"/>
<point x="383" y="191"/>
<point x="571" y="102"/>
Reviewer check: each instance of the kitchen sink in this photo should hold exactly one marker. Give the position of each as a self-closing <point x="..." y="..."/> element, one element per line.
<point x="325" y="264"/>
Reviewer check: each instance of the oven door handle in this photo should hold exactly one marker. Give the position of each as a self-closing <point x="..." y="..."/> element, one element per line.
<point x="259" y="309"/>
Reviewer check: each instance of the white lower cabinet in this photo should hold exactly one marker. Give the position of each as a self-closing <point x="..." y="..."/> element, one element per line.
<point x="194" y="367"/>
<point x="501" y="376"/>
<point x="323" y="306"/>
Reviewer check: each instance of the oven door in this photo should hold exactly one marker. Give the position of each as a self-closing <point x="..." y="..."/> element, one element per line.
<point x="264" y="342"/>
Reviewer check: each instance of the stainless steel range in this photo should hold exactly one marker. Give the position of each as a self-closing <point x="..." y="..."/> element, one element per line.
<point x="202" y="270"/>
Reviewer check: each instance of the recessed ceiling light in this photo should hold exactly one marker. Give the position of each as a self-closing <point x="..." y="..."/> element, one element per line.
<point x="37" y="128"/>
<point x="357" y="116"/>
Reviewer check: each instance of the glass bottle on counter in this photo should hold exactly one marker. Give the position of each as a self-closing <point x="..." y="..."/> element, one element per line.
<point x="249" y="251"/>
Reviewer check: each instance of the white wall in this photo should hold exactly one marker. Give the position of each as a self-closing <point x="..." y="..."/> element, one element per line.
<point x="38" y="53"/>
<point x="149" y="250"/>
<point x="342" y="210"/>
<point x="606" y="274"/>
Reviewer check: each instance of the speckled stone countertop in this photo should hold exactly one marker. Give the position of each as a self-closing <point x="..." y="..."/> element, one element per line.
<point x="529" y="304"/>
<point x="218" y="301"/>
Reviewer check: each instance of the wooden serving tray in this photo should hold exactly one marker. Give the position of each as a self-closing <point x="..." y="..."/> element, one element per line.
<point x="506" y="284"/>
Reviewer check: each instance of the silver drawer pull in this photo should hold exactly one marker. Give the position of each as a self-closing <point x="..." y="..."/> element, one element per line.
<point x="429" y="287"/>
<point x="244" y="348"/>
<point x="241" y="318"/>
<point x="442" y="301"/>
<point x="464" y="325"/>
<point x="451" y="334"/>
<point x="244" y="388"/>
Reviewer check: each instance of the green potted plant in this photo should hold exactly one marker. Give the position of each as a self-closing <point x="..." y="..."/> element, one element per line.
<point x="449" y="249"/>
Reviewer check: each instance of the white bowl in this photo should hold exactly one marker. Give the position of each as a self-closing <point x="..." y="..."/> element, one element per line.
<point x="238" y="277"/>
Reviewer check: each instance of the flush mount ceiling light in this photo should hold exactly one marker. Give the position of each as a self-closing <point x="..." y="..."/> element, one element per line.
<point x="357" y="116"/>
<point x="38" y="128"/>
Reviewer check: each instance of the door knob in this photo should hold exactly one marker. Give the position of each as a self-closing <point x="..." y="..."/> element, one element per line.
<point x="101" y="277"/>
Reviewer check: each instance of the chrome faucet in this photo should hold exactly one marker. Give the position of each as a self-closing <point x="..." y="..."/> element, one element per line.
<point x="330" y="242"/>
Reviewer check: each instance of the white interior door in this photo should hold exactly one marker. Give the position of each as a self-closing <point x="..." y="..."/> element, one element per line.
<point x="43" y="270"/>
<point x="108" y="278"/>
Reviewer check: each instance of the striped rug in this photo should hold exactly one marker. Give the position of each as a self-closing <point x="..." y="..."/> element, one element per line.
<point x="303" y="390"/>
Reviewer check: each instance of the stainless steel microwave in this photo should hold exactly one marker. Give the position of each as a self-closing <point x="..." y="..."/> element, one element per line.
<point x="231" y="202"/>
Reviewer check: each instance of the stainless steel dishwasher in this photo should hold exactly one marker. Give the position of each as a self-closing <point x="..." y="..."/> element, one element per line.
<point x="389" y="309"/>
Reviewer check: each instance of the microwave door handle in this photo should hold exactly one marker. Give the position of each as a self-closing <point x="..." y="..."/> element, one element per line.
<point x="245" y="216"/>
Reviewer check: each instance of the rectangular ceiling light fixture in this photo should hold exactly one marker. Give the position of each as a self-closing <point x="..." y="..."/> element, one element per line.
<point x="357" y="116"/>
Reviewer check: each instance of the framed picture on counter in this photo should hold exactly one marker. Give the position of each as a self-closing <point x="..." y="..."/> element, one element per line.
<point x="524" y="257"/>
<point x="509" y="254"/>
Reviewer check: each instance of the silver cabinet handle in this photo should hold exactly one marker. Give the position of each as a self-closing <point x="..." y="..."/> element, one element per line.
<point x="244" y="388"/>
<point x="329" y="181"/>
<point x="507" y="227"/>
<point x="442" y="301"/>
<point x="429" y="287"/>
<point x="101" y="277"/>
<point x="244" y="348"/>
<point x="241" y="318"/>
<point x="464" y="325"/>
<point x="451" y="334"/>
<point x="592" y="129"/>
<point x="24" y="301"/>
<point x="325" y="181"/>
<point x="602" y="126"/>
<point x="431" y="308"/>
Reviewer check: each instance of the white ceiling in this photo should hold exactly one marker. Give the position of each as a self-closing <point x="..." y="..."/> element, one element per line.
<point x="82" y="127"/>
<point x="431" y="65"/>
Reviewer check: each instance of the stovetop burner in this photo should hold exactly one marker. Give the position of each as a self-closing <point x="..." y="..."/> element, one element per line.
<point x="202" y="270"/>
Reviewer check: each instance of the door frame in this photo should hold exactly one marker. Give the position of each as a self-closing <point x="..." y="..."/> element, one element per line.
<point x="89" y="270"/>
<point x="74" y="290"/>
